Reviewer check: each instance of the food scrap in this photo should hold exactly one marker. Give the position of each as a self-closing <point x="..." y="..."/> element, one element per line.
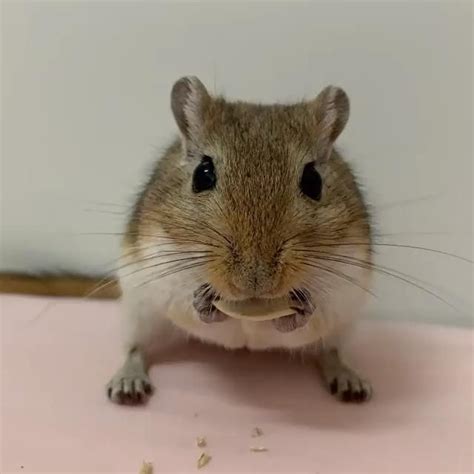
<point x="256" y="432"/>
<point x="201" y="442"/>
<point x="147" y="468"/>
<point x="203" y="460"/>
<point x="258" y="449"/>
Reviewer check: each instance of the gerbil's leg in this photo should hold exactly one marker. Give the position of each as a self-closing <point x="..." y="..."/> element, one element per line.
<point x="145" y="333"/>
<point x="131" y="384"/>
<point x="342" y="381"/>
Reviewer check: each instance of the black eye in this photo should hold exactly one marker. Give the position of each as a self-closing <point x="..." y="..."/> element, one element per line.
<point x="204" y="177"/>
<point x="311" y="183"/>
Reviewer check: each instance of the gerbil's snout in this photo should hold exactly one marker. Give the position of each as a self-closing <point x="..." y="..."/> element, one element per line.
<point x="255" y="263"/>
<point x="256" y="275"/>
<point x="253" y="279"/>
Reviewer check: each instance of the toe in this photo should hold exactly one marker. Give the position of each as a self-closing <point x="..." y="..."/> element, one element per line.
<point x="366" y="391"/>
<point x="357" y="396"/>
<point x="148" y="387"/>
<point x="139" y="390"/>
<point x="116" y="392"/>
<point x="347" y="394"/>
<point x="129" y="389"/>
<point x="127" y="385"/>
<point x="349" y="388"/>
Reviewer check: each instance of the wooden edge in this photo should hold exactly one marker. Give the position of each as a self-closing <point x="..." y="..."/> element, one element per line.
<point x="59" y="285"/>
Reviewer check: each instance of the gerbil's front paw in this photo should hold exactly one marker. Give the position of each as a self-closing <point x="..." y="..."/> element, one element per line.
<point x="204" y="298"/>
<point x="129" y="388"/>
<point x="347" y="386"/>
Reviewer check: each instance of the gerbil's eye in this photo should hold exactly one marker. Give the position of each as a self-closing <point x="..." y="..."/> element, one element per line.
<point x="204" y="176"/>
<point x="311" y="183"/>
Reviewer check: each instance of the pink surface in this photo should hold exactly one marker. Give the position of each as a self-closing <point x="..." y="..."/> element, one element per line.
<point x="55" y="417"/>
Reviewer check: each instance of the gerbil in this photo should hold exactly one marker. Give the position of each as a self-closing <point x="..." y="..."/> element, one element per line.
<point x="252" y="201"/>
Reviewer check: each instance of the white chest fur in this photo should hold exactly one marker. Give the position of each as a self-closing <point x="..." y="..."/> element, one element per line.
<point x="236" y="333"/>
<point x="149" y="306"/>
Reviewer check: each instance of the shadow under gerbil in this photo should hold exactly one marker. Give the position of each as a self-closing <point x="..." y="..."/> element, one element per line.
<point x="289" y="389"/>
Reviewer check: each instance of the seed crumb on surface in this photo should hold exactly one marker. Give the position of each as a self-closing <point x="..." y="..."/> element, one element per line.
<point x="147" y="468"/>
<point x="256" y="432"/>
<point x="201" y="442"/>
<point x="258" y="449"/>
<point x="203" y="460"/>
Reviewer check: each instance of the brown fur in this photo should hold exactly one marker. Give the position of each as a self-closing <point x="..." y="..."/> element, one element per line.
<point x="255" y="231"/>
<point x="256" y="224"/>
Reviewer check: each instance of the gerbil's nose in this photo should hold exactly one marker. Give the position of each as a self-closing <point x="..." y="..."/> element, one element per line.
<point x="255" y="278"/>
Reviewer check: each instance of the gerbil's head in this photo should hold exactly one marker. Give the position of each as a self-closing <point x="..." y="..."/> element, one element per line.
<point x="258" y="189"/>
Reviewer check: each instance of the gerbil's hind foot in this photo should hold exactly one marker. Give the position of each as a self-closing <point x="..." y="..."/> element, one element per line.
<point x="341" y="381"/>
<point x="131" y="384"/>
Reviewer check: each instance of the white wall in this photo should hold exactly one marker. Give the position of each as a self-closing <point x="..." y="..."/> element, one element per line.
<point x="85" y="108"/>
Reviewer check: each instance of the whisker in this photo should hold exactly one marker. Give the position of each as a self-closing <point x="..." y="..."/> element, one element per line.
<point x="173" y="272"/>
<point x="295" y="292"/>
<point x="106" y="281"/>
<point x="392" y="245"/>
<point x="162" y="254"/>
<point x="110" y="204"/>
<point x="391" y="234"/>
<point x="154" y="236"/>
<point x="189" y="215"/>
<point x="338" y="274"/>
<point x="369" y="264"/>
<point x="167" y="262"/>
<point x="404" y="202"/>
<point x="105" y="211"/>
<point x="135" y="250"/>
<point x="101" y="285"/>
<point x="393" y="275"/>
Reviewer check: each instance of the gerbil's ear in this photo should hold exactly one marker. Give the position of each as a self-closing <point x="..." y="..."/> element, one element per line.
<point x="331" y="110"/>
<point x="189" y="99"/>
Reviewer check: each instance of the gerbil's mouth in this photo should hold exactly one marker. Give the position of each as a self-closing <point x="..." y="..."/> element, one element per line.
<point x="286" y="314"/>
